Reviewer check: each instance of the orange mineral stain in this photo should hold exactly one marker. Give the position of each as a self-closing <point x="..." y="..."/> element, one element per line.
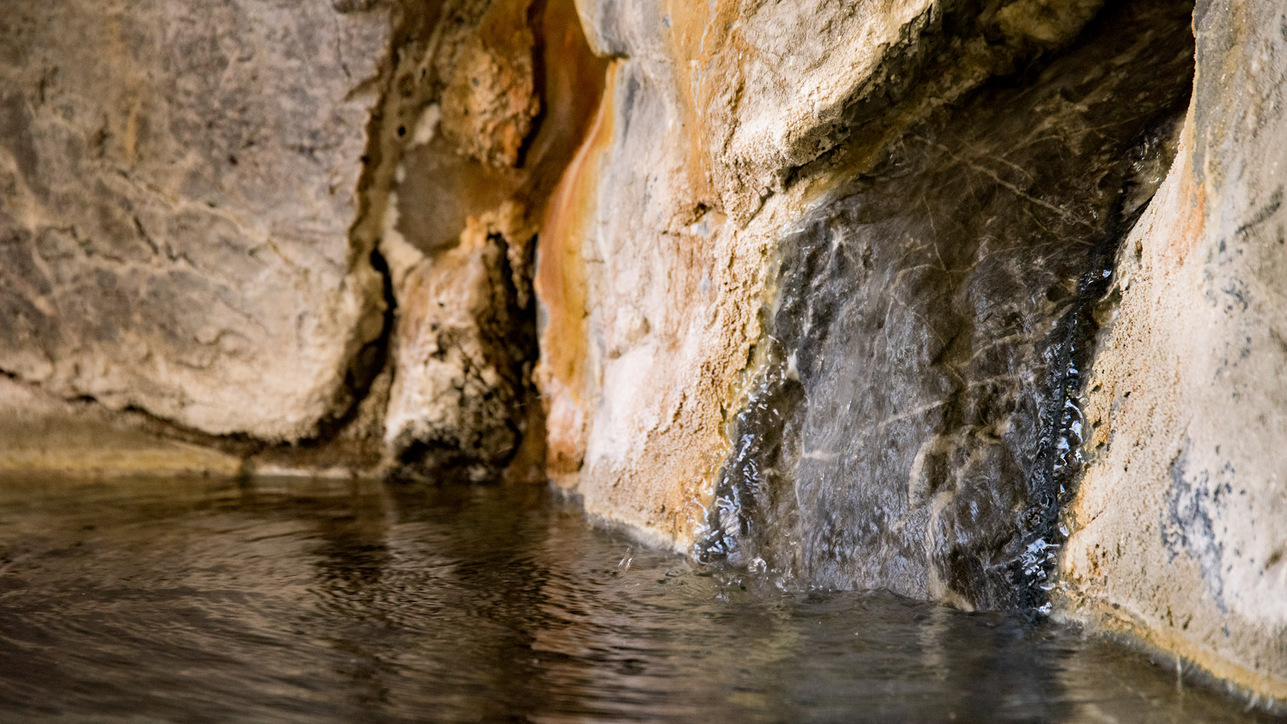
<point x="561" y="286"/>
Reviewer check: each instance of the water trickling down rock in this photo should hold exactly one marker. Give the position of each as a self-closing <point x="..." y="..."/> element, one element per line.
<point x="915" y="425"/>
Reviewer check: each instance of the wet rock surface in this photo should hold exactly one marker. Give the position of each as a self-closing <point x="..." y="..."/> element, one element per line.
<point x="915" y="427"/>
<point x="720" y="122"/>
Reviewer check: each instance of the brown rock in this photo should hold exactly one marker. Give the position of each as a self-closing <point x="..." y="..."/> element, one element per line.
<point x="459" y="372"/>
<point x="472" y="177"/>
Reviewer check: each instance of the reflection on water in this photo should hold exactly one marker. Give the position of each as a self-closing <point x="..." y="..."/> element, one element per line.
<point x="340" y="601"/>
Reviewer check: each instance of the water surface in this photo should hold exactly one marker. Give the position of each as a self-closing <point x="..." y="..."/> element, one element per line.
<point x="201" y="600"/>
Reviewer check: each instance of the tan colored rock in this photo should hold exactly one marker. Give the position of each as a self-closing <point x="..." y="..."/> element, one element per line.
<point x="1179" y="530"/>
<point x="490" y="96"/>
<point x="468" y="172"/>
<point x="721" y="123"/>
<point x="459" y="371"/>
<point x="766" y="88"/>
<point x="45" y="434"/>
<point x="176" y="185"/>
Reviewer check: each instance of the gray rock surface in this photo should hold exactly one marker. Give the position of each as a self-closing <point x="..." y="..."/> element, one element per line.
<point x="177" y="181"/>
<point x="912" y="425"/>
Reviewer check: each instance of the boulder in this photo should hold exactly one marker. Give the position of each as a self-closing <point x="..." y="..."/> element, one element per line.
<point x="177" y="181"/>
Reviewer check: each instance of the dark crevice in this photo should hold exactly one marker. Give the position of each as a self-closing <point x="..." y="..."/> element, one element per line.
<point x="372" y="359"/>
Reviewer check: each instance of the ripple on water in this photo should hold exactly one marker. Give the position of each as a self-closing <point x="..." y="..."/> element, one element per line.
<point x="337" y="601"/>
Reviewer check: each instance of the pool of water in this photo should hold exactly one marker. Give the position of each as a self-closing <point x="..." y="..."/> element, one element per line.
<point x="301" y="600"/>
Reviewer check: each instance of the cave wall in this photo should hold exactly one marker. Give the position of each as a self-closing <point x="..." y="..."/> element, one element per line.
<point x="928" y="319"/>
<point x="176" y="186"/>
<point x="1179" y="526"/>
<point x="299" y="238"/>
<point x="949" y="297"/>
<point x="721" y="125"/>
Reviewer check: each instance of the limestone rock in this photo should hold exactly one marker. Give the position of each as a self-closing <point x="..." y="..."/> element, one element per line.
<point x="722" y="122"/>
<point x="468" y="174"/>
<point x="459" y="375"/>
<point x="816" y="284"/>
<point x="490" y="97"/>
<point x="726" y="144"/>
<point x="765" y="88"/>
<point x="1179" y="529"/>
<point x="176" y="185"/>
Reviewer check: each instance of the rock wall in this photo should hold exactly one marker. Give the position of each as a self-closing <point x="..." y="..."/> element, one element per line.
<point x="176" y="186"/>
<point x="928" y="321"/>
<point x="850" y="345"/>
<point x="720" y="127"/>
<point x="299" y="236"/>
<point x="949" y="297"/>
<point x="488" y="103"/>
<point x="1179" y="527"/>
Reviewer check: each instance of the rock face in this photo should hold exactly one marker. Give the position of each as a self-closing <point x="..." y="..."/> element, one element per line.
<point x="490" y="102"/>
<point x="720" y="125"/>
<point x="911" y="428"/>
<point x="176" y="186"/>
<point x="846" y="339"/>
<point x="459" y="369"/>
<point x="1179" y="528"/>
<point x="949" y="297"/>
<point x="247" y="224"/>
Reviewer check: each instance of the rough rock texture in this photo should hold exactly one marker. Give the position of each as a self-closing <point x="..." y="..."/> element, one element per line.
<point x="720" y="124"/>
<point x="488" y="102"/>
<point x="929" y="322"/>
<point x="176" y="185"/>
<point x="1179" y="529"/>
<point x="815" y="283"/>
<point x="724" y="141"/>
<point x="459" y="372"/>
<point x="240" y="222"/>
<point x="765" y="88"/>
